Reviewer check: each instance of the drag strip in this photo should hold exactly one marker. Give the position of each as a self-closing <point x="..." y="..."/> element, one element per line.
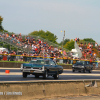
<point x="74" y="74"/>
<point x="16" y="75"/>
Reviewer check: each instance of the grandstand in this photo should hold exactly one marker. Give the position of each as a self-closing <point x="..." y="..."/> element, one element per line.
<point x="37" y="46"/>
<point x="25" y="47"/>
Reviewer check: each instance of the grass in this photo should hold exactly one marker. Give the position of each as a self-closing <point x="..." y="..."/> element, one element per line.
<point x="28" y="62"/>
<point x="63" y="64"/>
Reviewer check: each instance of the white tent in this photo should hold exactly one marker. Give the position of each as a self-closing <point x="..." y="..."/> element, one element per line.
<point x="4" y="49"/>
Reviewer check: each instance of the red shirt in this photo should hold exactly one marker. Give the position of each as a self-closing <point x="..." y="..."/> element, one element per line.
<point x="39" y="41"/>
<point x="36" y="49"/>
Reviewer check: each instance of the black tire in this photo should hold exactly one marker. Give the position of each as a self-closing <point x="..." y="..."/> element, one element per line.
<point x="56" y="76"/>
<point x="84" y="71"/>
<point x="90" y="71"/>
<point x="79" y="71"/>
<point x="73" y="70"/>
<point x="45" y="75"/>
<point x="24" y="74"/>
<point x="36" y="76"/>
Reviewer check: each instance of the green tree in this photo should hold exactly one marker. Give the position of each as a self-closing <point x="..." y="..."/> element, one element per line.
<point x="5" y="30"/>
<point x="1" y="28"/>
<point x="46" y="35"/>
<point x="65" y="41"/>
<point x="89" y="40"/>
<point x="69" y="45"/>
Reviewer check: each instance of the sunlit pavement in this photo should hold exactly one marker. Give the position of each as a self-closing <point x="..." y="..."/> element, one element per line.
<point x="15" y="74"/>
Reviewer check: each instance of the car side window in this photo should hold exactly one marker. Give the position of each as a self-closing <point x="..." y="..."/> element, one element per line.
<point x="52" y="63"/>
<point x="87" y="63"/>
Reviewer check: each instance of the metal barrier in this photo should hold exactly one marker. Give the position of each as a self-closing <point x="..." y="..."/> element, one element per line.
<point x="62" y="60"/>
<point x="7" y="57"/>
<point x="21" y="46"/>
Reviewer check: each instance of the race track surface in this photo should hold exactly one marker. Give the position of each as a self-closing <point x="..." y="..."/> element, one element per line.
<point x="16" y="75"/>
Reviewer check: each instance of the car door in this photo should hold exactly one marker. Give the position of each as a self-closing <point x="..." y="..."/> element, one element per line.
<point x="87" y="65"/>
<point x="52" y="67"/>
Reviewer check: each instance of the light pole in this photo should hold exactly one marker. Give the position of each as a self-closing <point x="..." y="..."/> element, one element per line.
<point x="63" y="39"/>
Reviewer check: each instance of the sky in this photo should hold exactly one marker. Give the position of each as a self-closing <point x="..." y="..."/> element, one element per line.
<point x="79" y="18"/>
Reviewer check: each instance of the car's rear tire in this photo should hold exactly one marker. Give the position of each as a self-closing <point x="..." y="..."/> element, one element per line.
<point x="84" y="71"/>
<point x="45" y="75"/>
<point x="56" y="76"/>
<point x="24" y="74"/>
<point x="90" y="71"/>
<point x="36" y="76"/>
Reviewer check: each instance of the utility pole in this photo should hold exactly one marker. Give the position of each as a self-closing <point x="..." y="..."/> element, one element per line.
<point x="63" y="40"/>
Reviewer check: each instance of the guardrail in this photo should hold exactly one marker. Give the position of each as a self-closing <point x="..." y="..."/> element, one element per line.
<point x="27" y="58"/>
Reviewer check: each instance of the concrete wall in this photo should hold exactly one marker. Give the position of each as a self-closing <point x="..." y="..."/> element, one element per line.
<point x="17" y="65"/>
<point x="47" y="89"/>
<point x="10" y="64"/>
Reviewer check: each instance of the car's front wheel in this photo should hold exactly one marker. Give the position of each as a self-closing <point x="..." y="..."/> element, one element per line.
<point x="36" y="76"/>
<point x="24" y="74"/>
<point x="56" y="76"/>
<point x="73" y="70"/>
<point x="90" y="71"/>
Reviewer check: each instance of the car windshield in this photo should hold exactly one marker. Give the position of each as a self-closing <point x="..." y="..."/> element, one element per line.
<point x="80" y="63"/>
<point x="40" y="61"/>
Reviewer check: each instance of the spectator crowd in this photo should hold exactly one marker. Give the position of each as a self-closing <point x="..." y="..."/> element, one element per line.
<point x="39" y="48"/>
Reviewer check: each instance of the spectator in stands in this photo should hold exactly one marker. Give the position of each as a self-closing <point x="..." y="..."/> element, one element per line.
<point x="8" y="57"/>
<point x="0" y="54"/>
<point x="96" y="44"/>
<point x="76" y="39"/>
<point x="25" y="56"/>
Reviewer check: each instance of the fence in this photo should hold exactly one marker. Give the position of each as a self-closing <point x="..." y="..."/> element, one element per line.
<point x="21" y="58"/>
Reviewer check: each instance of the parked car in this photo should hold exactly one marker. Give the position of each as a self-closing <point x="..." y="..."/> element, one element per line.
<point x="41" y="67"/>
<point x="82" y="66"/>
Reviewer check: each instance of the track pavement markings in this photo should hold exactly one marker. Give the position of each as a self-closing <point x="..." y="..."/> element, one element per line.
<point x="74" y="74"/>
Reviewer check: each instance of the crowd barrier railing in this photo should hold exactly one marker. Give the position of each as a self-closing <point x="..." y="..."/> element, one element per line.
<point x="23" y="58"/>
